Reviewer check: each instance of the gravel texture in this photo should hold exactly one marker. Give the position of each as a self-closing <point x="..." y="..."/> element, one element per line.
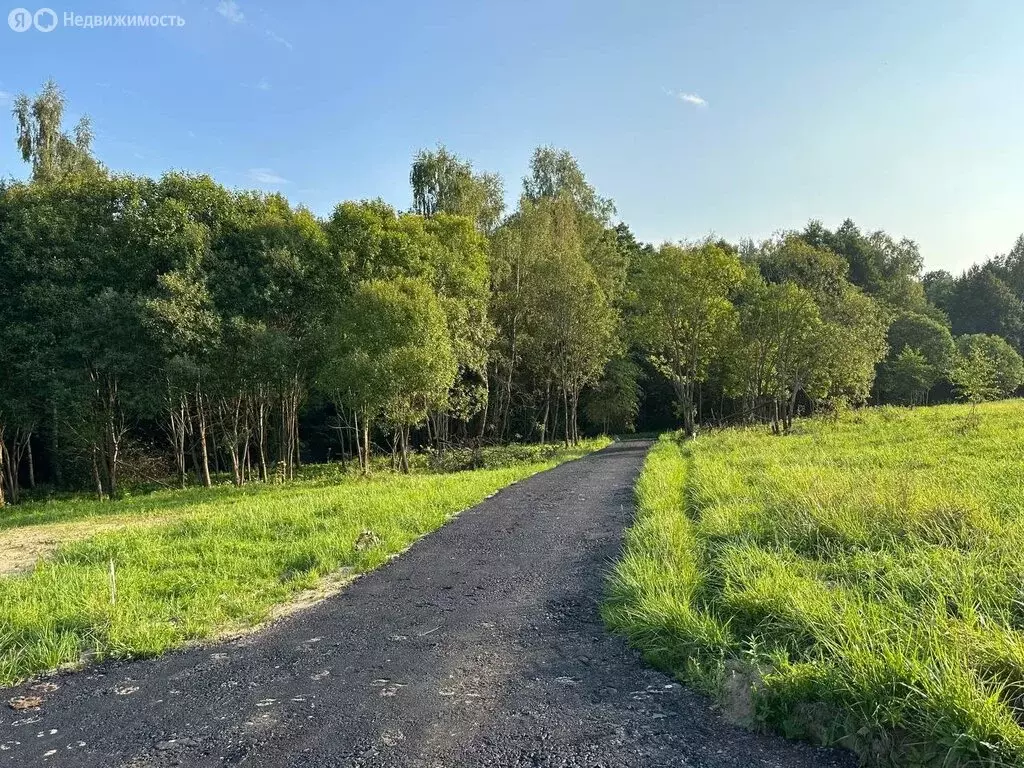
<point x="481" y="646"/>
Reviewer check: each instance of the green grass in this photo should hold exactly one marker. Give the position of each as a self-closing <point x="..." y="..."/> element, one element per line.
<point x="223" y="561"/>
<point x="858" y="583"/>
<point x="153" y="500"/>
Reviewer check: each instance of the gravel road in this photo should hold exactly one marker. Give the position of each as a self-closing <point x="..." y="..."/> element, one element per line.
<point x="481" y="646"/>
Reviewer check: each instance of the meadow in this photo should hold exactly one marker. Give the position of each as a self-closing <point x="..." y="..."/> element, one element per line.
<point x="858" y="583"/>
<point x="170" y="567"/>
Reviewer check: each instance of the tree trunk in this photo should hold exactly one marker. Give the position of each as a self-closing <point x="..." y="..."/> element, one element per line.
<point x="565" y="401"/>
<point x="112" y="460"/>
<point x="261" y="432"/>
<point x="232" y="433"/>
<point x="178" y="419"/>
<point x="574" y="403"/>
<point x="290" y="428"/>
<point x="3" y="465"/>
<point x="359" y="442"/>
<point x="791" y="410"/>
<point x="684" y="391"/>
<point x="15" y="454"/>
<point x="366" y="445"/>
<point x="284" y="454"/>
<point x="97" y="481"/>
<point x="31" y="463"/>
<point x="405" y="448"/>
<point x="58" y="475"/>
<point x="3" y="497"/>
<point x="9" y="462"/>
<point x="487" y="404"/>
<point x="341" y="438"/>
<point x="547" y="411"/>
<point x="204" y="448"/>
<point x="236" y="468"/>
<point x="506" y="405"/>
<point x="296" y="445"/>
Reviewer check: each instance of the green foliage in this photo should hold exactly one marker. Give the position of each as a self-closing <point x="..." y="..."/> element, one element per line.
<point x="783" y="336"/>
<point x="854" y="584"/>
<point x="823" y="344"/>
<point x="177" y="319"/>
<point x="614" y="401"/>
<point x="556" y="322"/>
<point x="444" y="251"/>
<point x="42" y="142"/>
<point x="442" y="183"/>
<point x="685" y="317"/>
<point x="856" y="342"/>
<point x="462" y="459"/>
<point x="938" y="288"/>
<point x="986" y="368"/>
<point x="791" y="259"/>
<point x="908" y="376"/>
<point x="903" y="376"/>
<point x="555" y="173"/>
<point x="886" y="269"/>
<point x="390" y="356"/>
<point x="982" y="302"/>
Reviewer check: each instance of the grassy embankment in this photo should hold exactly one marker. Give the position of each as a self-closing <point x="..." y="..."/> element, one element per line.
<point x="859" y="583"/>
<point x="193" y="563"/>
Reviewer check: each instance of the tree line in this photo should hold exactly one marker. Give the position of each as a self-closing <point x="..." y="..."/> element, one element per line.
<point x="174" y="327"/>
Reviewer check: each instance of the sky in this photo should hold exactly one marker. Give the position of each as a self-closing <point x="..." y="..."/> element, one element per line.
<point x="733" y="118"/>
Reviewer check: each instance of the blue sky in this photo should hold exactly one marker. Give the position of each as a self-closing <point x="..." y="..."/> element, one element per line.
<point x="904" y="116"/>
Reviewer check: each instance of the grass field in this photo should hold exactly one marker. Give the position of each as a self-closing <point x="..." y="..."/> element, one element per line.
<point x="190" y="564"/>
<point x="858" y="583"/>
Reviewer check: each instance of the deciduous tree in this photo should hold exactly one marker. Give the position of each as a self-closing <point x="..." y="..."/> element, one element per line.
<point x="42" y="141"/>
<point x="685" y="315"/>
<point x="990" y="359"/>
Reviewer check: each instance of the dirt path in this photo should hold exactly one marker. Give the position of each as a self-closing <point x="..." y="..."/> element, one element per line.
<point x="481" y="646"/>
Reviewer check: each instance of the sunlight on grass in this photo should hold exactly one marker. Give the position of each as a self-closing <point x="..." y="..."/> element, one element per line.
<point x="861" y="582"/>
<point x="227" y="559"/>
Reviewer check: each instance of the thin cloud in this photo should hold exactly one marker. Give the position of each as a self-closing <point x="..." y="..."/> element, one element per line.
<point x="279" y="40"/>
<point x="6" y="97"/>
<point x="266" y="176"/>
<point x="229" y="10"/>
<point x="263" y="84"/>
<point x="689" y="98"/>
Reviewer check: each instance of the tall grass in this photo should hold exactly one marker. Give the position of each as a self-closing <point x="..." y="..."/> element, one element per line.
<point x="227" y="557"/>
<point x="859" y="583"/>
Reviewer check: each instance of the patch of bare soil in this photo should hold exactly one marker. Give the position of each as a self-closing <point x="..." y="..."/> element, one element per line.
<point x="22" y="548"/>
